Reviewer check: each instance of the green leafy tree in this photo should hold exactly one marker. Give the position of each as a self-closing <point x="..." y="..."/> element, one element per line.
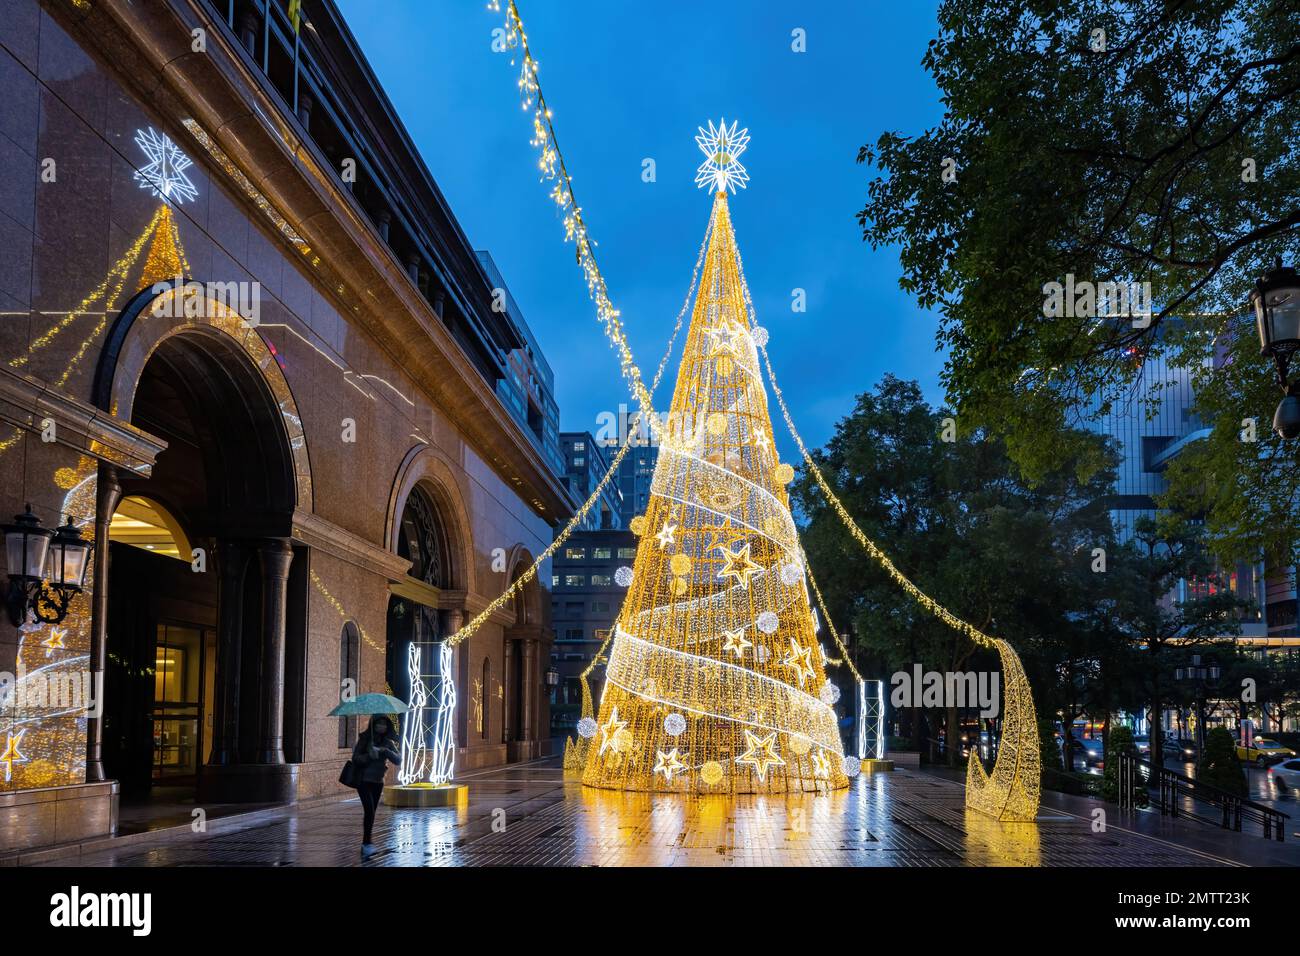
<point x="1219" y="765"/>
<point x="1143" y="141"/>
<point x="1118" y="741"/>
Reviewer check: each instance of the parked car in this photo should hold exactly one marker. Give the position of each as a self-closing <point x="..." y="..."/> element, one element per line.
<point x="1264" y="752"/>
<point x="1286" y="775"/>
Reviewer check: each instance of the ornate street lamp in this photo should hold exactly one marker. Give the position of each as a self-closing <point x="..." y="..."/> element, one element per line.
<point x="1202" y="677"/>
<point x="46" y="569"/>
<point x="1276" y="300"/>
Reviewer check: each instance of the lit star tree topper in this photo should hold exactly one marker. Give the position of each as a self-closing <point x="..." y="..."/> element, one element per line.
<point x="722" y="146"/>
<point x="715" y="628"/>
<point x="165" y="174"/>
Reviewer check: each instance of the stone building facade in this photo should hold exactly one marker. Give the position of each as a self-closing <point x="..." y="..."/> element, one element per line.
<point x="248" y="351"/>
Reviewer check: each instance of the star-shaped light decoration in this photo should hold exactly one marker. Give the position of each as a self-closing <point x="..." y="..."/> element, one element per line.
<point x="668" y="764"/>
<point x="760" y="753"/>
<point x="12" y="754"/>
<point x="761" y="441"/>
<point x="800" y="658"/>
<point x="667" y="535"/>
<point x="723" y="535"/>
<point x="739" y="566"/>
<point x="55" y="640"/>
<point x="735" y="642"/>
<point x="821" y="764"/>
<point x="722" y="147"/>
<point x="165" y="175"/>
<point x="723" y="342"/>
<point x="609" y="730"/>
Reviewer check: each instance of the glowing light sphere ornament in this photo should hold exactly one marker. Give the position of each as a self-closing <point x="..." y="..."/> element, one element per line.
<point x="587" y="727"/>
<point x="674" y="724"/>
<point x="623" y="576"/>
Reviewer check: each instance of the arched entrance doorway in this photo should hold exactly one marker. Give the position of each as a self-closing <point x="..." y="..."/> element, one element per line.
<point x="205" y="605"/>
<point x="413" y="662"/>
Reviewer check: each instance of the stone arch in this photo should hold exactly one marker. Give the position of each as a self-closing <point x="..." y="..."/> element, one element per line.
<point x="158" y="314"/>
<point x="424" y="467"/>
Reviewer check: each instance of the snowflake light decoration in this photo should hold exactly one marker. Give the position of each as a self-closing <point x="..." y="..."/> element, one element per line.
<point x="165" y="175"/>
<point x="722" y="146"/>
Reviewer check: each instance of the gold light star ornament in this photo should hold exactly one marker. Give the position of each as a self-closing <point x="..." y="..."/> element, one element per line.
<point x="800" y="658"/>
<point x="821" y="764"/>
<point x="722" y="342"/>
<point x="668" y="764"/>
<point x="610" y="730"/>
<point x="55" y="641"/>
<point x="739" y="565"/>
<point x="735" y="642"/>
<point x="667" y="535"/>
<point x="760" y="753"/>
<point x="12" y="754"/>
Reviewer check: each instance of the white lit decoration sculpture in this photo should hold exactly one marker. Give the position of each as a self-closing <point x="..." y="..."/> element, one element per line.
<point x="165" y="175"/>
<point x="722" y="146"/>
<point x="428" y="744"/>
<point x="871" y="719"/>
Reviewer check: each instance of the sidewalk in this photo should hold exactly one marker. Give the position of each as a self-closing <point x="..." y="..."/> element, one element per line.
<point x="1247" y="848"/>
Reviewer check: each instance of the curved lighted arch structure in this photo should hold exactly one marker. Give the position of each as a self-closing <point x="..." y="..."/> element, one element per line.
<point x="1012" y="791"/>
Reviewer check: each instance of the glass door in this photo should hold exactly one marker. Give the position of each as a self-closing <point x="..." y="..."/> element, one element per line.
<point x="178" y="709"/>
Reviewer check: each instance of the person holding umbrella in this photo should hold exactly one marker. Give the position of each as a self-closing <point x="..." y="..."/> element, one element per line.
<point x="375" y="747"/>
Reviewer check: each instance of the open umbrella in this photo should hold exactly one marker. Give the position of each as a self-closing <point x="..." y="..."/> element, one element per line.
<point x="369" y="704"/>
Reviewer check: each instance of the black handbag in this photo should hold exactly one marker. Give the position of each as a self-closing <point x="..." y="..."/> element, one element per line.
<point x="349" y="775"/>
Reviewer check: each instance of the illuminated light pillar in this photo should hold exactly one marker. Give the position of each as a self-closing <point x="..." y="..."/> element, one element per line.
<point x="871" y="720"/>
<point x="108" y="494"/>
<point x="232" y="558"/>
<point x="276" y="555"/>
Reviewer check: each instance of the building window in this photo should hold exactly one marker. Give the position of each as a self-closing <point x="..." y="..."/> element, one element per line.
<point x="349" y="677"/>
<point x="579" y="446"/>
<point x="601" y="580"/>
<point x="599" y="607"/>
<point x="626" y="553"/>
<point x="575" y="554"/>
<point x="600" y="554"/>
<point x="575" y="580"/>
<point x="555" y="581"/>
<point x="573" y="634"/>
<point x="579" y="462"/>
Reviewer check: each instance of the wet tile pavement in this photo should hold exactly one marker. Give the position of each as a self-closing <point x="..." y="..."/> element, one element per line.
<point x="533" y="815"/>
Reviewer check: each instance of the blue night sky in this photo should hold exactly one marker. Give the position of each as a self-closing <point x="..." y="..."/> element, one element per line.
<point x="625" y="84"/>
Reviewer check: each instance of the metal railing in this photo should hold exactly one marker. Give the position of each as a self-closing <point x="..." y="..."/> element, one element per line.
<point x="1183" y="796"/>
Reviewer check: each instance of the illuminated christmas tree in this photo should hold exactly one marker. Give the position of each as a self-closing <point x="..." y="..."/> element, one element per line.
<point x="716" y="681"/>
